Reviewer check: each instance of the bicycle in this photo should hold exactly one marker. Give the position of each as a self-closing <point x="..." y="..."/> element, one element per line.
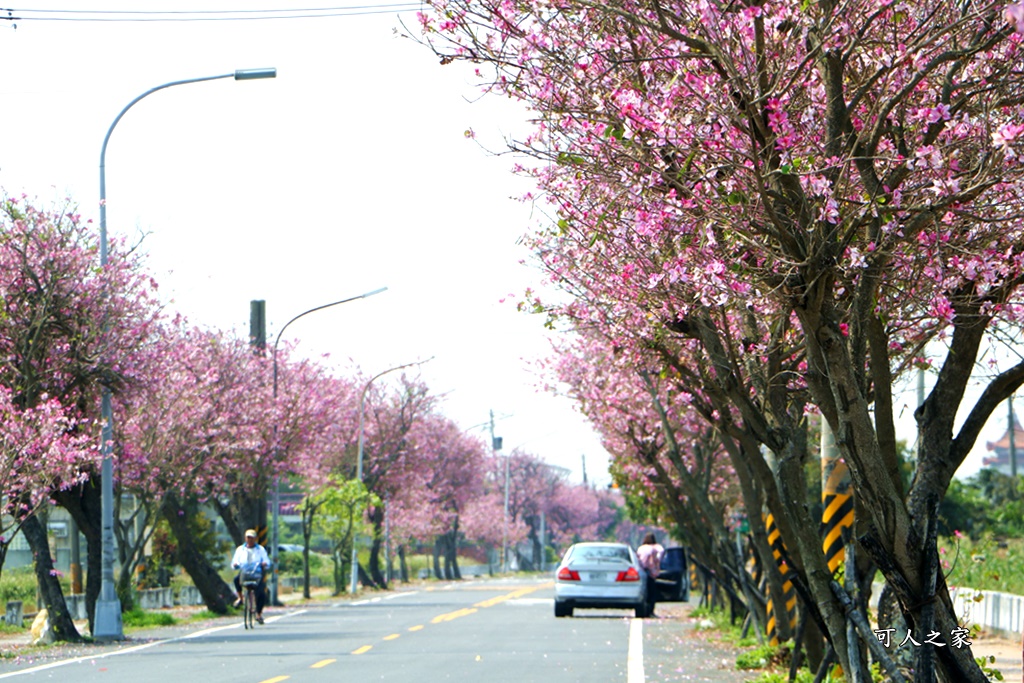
<point x="250" y="580"/>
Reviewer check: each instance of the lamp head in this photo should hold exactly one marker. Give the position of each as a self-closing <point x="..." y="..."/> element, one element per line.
<point x="253" y="74"/>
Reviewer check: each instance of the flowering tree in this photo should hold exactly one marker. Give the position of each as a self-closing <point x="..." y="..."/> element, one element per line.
<point x="40" y="451"/>
<point x="846" y="169"/>
<point x="179" y="434"/>
<point x="671" y="452"/>
<point x="326" y="451"/>
<point x="389" y="453"/>
<point x="67" y="329"/>
<point x="576" y="512"/>
<point x="448" y="472"/>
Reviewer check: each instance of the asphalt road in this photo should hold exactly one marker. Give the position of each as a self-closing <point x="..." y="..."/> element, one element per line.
<point x="493" y="631"/>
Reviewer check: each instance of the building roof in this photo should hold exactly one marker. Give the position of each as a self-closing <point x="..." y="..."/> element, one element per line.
<point x="1002" y="446"/>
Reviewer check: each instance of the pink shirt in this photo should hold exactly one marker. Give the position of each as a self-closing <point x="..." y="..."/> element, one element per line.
<point x="650" y="557"/>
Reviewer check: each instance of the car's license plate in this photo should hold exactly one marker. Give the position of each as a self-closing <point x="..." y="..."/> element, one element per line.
<point x="597" y="576"/>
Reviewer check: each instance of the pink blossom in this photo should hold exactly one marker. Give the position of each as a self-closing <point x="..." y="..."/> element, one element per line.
<point x="1015" y="15"/>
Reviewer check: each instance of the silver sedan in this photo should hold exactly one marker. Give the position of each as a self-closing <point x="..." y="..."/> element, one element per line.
<point x="600" y="575"/>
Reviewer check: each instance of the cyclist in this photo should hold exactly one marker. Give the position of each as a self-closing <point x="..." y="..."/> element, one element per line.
<point x="251" y="553"/>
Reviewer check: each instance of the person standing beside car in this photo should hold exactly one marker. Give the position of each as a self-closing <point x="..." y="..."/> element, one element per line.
<point x="650" y="553"/>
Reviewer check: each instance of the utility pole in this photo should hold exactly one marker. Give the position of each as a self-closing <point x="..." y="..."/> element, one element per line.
<point x="495" y="447"/>
<point x="1013" y="445"/>
<point x="258" y="340"/>
<point x="76" y="557"/>
<point x="584" y="458"/>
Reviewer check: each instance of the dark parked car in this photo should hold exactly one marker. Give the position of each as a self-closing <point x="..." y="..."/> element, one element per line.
<point x="673" y="583"/>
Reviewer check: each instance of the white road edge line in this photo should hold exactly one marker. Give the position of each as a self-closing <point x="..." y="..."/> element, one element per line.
<point x="360" y="603"/>
<point x="635" y="659"/>
<point x="400" y="595"/>
<point x="136" y="648"/>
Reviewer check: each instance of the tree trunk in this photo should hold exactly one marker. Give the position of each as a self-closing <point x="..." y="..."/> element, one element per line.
<point x="447" y="551"/>
<point x="308" y="511"/>
<point x="338" y="557"/>
<point x="216" y="593"/>
<point x="245" y="511"/>
<point x="49" y="586"/>
<point x="365" y="578"/>
<point x="437" y="558"/>
<point x="453" y="550"/>
<point x="377" y="519"/>
<point x="403" y="565"/>
<point x="84" y="504"/>
<point x="132" y="552"/>
<point x="4" y="546"/>
<point x="305" y="570"/>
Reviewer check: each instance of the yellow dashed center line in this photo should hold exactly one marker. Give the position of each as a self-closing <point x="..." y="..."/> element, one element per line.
<point x="322" y="663"/>
<point x="464" y="612"/>
<point x="508" y="596"/>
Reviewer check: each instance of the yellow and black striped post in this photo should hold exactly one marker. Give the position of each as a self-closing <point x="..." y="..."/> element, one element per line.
<point x="775" y="542"/>
<point x="836" y="499"/>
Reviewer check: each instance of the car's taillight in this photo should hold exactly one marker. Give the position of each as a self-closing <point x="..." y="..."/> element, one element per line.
<point x="630" y="574"/>
<point x="566" y="574"/>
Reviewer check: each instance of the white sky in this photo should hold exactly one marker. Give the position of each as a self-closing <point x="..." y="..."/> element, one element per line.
<point x="348" y="172"/>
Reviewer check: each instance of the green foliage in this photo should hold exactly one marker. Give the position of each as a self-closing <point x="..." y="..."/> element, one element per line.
<point x="204" y="616"/>
<point x="802" y="676"/>
<point x="18" y="584"/>
<point x="344" y="502"/>
<point x="126" y="594"/>
<point x="291" y="563"/>
<point x="984" y="564"/>
<point x="139" y="618"/>
<point x="962" y="509"/>
<point x="342" y="516"/>
<point x="764" y="656"/>
<point x="204" y="535"/>
<point x="992" y="674"/>
<point x="12" y="628"/>
<point x="722" y="623"/>
<point x="988" y="502"/>
<point x="160" y="564"/>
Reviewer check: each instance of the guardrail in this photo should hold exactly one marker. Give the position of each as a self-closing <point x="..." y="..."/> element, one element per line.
<point x="1001" y="614"/>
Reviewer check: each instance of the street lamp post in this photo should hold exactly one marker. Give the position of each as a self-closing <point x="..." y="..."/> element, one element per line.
<point x="359" y="461"/>
<point x="107" y="622"/>
<point x="275" y="510"/>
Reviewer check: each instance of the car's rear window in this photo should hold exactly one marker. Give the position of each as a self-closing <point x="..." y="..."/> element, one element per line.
<point x="601" y="553"/>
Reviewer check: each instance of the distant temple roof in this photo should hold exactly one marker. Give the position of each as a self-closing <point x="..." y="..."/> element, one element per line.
<point x="1002" y="446"/>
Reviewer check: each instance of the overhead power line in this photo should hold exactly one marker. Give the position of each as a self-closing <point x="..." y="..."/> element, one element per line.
<point x="16" y="14"/>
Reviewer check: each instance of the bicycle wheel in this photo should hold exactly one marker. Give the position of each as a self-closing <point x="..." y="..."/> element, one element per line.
<point x="250" y="607"/>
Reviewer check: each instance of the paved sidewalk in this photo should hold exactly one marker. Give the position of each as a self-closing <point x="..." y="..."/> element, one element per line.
<point x="675" y="650"/>
<point x="1007" y="655"/>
